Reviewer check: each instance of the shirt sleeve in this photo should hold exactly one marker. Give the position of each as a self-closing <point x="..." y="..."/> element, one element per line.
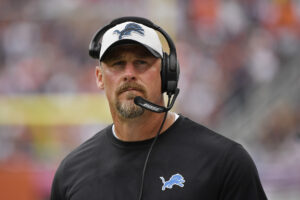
<point x="240" y="177"/>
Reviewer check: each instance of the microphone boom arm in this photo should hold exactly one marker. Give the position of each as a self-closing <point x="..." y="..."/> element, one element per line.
<point x="153" y="107"/>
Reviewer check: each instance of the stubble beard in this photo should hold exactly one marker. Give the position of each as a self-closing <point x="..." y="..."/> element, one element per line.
<point x="129" y="109"/>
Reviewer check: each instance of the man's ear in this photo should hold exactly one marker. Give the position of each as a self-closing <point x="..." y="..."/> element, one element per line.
<point x="99" y="77"/>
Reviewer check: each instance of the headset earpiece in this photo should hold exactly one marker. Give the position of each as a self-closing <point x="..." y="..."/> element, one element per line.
<point x="95" y="51"/>
<point x="164" y="68"/>
<point x="169" y="74"/>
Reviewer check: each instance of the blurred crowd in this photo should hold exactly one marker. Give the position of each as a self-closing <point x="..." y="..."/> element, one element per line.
<point x="226" y="49"/>
<point x="277" y="152"/>
<point x="229" y="47"/>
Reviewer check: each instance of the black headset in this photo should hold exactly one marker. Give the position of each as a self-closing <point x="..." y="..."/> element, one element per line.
<point x="170" y="67"/>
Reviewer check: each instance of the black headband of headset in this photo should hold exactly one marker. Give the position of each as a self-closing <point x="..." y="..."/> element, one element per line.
<point x="94" y="47"/>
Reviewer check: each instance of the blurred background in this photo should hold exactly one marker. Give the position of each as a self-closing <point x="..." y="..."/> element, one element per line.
<point x="240" y="76"/>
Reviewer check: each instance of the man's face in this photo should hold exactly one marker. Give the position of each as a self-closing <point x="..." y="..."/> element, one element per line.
<point x="128" y="71"/>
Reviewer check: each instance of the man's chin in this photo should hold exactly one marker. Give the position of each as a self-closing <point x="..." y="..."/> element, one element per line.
<point x="129" y="109"/>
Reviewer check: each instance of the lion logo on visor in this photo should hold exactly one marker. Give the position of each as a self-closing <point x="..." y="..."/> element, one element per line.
<point x="131" y="27"/>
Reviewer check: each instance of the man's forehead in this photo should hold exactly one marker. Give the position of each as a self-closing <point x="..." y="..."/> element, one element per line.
<point x="119" y="50"/>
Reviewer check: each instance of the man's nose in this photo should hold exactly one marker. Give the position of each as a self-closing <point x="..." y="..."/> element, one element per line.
<point x="129" y="72"/>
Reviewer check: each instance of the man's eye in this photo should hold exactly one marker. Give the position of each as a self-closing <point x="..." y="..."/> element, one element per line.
<point x="141" y="62"/>
<point x="118" y="63"/>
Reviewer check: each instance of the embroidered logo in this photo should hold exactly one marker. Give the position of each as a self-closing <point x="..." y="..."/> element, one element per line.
<point x="176" y="179"/>
<point x="131" y="27"/>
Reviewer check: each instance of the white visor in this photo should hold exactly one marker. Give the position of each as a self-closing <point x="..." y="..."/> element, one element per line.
<point x="131" y="32"/>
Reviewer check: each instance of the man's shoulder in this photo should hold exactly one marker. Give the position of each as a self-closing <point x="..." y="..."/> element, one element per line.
<point x="212" y="143"/>
<point x="204" y="136"/>
<point x="88" y="148"/>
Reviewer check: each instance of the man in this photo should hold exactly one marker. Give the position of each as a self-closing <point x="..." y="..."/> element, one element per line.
<point x="188" y="161"/>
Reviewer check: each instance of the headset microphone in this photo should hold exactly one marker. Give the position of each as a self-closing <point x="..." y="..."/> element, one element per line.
<point x="154" y="107"/>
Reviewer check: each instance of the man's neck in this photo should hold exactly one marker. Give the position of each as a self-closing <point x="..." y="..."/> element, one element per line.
<point x="142" y="128"/>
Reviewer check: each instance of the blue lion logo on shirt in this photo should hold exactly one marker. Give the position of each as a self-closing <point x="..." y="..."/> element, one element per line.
<point x="176" y="179"/>
<point x="128" y="29"/>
